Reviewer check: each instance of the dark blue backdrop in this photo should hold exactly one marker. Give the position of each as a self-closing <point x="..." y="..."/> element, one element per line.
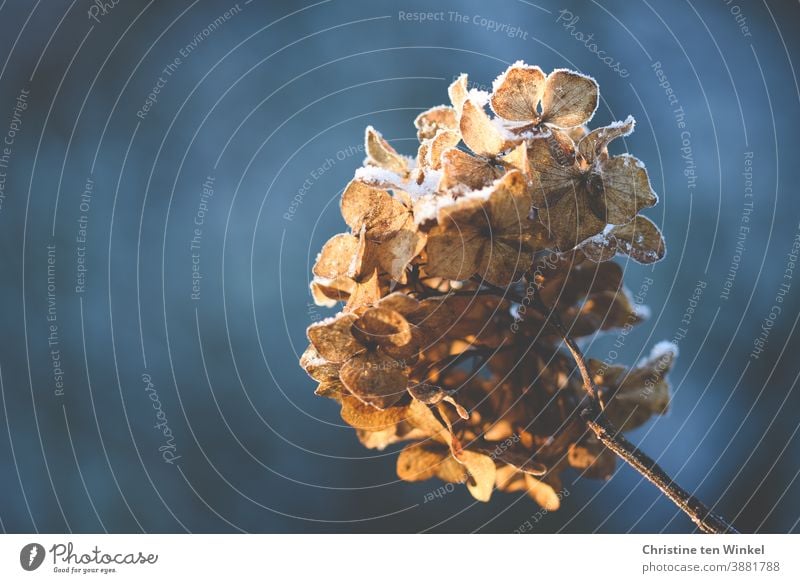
<point x="155" y="267"/>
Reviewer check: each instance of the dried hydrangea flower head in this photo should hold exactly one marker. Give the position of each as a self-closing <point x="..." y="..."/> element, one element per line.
<point x="462" y="270"/>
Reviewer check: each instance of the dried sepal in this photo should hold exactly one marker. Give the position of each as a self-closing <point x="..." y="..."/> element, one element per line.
<point x="431" y="122"/>
<point x="570" y="99"/>
<point x="517" y="93"/>
<point x="382" y="154"/>
<point x="478" y="131"/>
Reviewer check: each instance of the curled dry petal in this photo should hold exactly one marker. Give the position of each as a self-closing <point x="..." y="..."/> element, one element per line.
<point x="431" y="122"/>
<point x="422" y="461"/>
<point x="461" y="170"/>
<point x="625" y="189"/>
<point x="333" y="339"/>
<point x="595" y="144"/>
<point x="336" y="258"/>
<point x="482" y="473"/>
<point x="380" y="153"/>
<point x="458" y="92"/>
<point x="375" y="378"/>
<point x="641" y="240"/>
<point x="478" y="132"/>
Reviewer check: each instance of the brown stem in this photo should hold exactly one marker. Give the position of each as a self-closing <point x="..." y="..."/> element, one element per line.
<point x="613" y="439"/>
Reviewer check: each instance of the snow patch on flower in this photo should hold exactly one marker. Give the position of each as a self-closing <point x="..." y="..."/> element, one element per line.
<point x="659" y="351"/>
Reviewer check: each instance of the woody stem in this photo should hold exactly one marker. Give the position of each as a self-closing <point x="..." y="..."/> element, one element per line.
<point x="612" y="438"/>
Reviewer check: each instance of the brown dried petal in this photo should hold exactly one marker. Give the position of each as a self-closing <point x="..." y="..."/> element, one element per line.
<point x="595" y="143"/>
<point x="430" y="122"/>
<point x="478" y="131"/>
<point x="518" y="94"/>
<point x="364" y="206"/>
<point x="569" y="100"/>
<point x="336" y="258"/>
<point x="482" y="474"/>
<point x="458" y="92"/>
<point x="377" y="379"/>
<point x="362" y="416"/>
<point x="626" y="189"/>
<point x="333" y="338"/>
<point x="460" y="169"/>
<point x="454" y="254"/>
<point x="380" y="153"/>
<point x="329" y="292"/>
<point x="640" y="239"/>
<point x="443" y="141"/>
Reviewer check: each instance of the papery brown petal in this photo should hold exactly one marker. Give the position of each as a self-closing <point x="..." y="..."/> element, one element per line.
<point x="640" y="239"/>
<point x="458" y="92"/>
<point x="482" y="474"/>
<point x="454" y="254"/>
<point x="518" y="94"/>
<point x="569" y="100"/>
<point x="363" y="416"/>
<point x="595" y="143"/>
<point x="504" y="261"/>
<point x="443" y="141"/>
<point x="508" y="479"/>
<point x="365" y="292"/>
<point x="333" y="339"/>
<point x="384" y="326"/>
<point x="365" y="206"/>
<point x="420" y="462"/>
<point x="430" y="122"/>
<point x="336" y="256"/>
<point x="421" y="417"/>
<point x="395" y="254"/>
<point x="554" y="174"/>
<point x="329" y="292"/>
<point x="571" y="220"/>
<point x="317" y="367"/>
<point x="400" y="302"/>
<point x="478" y="131"/>
<point x="518" y="158"/>
<point x="377" y="379"/>
<point x="331" y="390"/>
<point x="381" y="153"/>
<point x="600" y="249"/>
<point x="460" y="169"/>
<point x="626" y="189"/>
<point x="543" y="493"/>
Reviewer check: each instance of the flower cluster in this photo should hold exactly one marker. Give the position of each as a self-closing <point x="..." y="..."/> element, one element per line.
<point x="461" y="270"/>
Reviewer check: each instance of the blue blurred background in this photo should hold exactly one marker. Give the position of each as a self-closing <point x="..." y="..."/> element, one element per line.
<point x="202" y="211"/>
